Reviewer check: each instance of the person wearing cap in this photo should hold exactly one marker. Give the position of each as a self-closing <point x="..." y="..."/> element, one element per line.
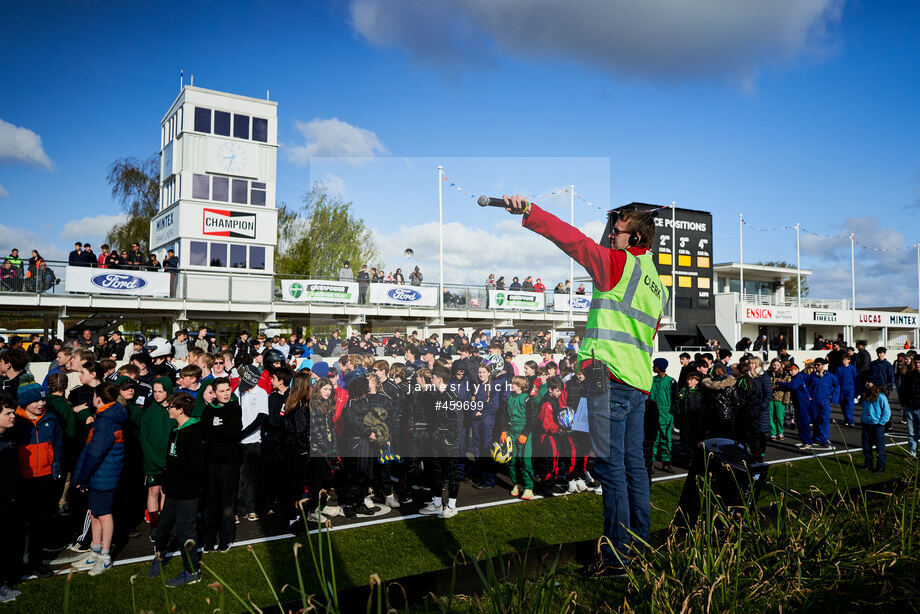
<point x="876" y="412"/>
<point x="848" y="379"/>
<point x="825" y="390"/>
<point x="41" y="454"/>
<point x="254" y="407"/>
<point x="221" y="423"/>
<point x="663" y="393"/>
<point x="883" y="369"/>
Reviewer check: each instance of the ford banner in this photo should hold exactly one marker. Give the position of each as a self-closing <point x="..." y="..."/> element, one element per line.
<point x="412" y="296"/>
<point x="319" y="291"/>
<point x="116" y="281"/>
<point x="580" y="304"/>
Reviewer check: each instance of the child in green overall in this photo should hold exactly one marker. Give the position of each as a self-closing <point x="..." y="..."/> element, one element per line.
<point x="519" y="427"/>
<point x="662" y="394"/>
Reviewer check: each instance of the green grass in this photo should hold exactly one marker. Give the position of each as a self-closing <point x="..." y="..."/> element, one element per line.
<point x="396" y="549"/>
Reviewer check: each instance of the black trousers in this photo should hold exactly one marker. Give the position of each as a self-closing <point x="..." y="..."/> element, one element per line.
<point x="181" y="515"/>
<point x="222" y="483"/>
<point x="249" y="477"/>
<point x="38" y="502"/>
<point x="440" y="470"/>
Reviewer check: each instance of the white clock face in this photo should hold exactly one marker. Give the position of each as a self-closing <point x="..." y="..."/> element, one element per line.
<point x="231" y="157"/>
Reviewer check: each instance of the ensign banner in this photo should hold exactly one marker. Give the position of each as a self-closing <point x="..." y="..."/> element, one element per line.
<point x="767" y="313"/>
<point x="580" y="303"/>
<point x="397" y="294"/>
<point x="225" y="223"/>
<point x="114" y="281"/>
<point x="508" y="300"/>
<point x="319" y="291"/>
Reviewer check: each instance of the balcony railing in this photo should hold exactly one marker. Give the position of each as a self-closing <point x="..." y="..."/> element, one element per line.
<point x="810" y="302"/>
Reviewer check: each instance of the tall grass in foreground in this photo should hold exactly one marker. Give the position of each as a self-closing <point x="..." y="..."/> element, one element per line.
<point x="841" y="550"/>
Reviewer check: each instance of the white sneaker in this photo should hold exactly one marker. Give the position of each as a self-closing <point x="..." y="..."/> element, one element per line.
<point x="430" y="510"/>
<point x="369" y="502"/>
<point x="103" y="563"/>
<point x="314" y="518"/>
<point x="65" y="557"/>
<point x="599" y="490"/>
<point x="10" y="591"/>
<point x="5" y="595"/>
<point x="448" y="512"/>
<point x="86" y="562"/>
<point x="582" y="487"/>
<point x="573" y="486"/>
<point x="391" y="501"/>
<point x="332" y="511"/>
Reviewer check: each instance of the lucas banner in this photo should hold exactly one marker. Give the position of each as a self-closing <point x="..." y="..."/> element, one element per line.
<point x="516" y="301"/>
<point x="319" y="291"/>
<point x="389" y="294"/>
<point x="112" y="281"/>
<point x="580" y="303"/>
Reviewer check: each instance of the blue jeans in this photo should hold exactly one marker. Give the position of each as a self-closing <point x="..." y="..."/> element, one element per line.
<point x="912" y="416"/>
<point x="617" y="426"/>
<point x="874" y="435"/>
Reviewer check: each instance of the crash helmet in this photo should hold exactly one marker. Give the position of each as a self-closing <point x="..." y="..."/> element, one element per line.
<point x="494" y="363"/>
<point x="158" y="346"/>
<point x="502" y="451"/>
<point x="566" y="417"/>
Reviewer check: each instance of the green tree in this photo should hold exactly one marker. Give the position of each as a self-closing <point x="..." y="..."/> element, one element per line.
<point x="790" y="285"/>
<point x="317" y="239"/>
<point x="136" y="185"/>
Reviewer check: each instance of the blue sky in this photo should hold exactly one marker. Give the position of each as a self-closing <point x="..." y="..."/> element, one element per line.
<point x="802" y="111"/>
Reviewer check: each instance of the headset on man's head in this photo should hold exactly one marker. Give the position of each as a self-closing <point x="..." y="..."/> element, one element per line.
<point x="614" y="214"/>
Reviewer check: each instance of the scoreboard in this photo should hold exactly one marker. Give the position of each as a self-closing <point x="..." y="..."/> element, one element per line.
<point x="688" y="249"/>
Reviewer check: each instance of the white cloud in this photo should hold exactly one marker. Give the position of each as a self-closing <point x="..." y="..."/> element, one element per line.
<point x="93" y="228"/>
<point x="333" y="138"/>
<point x="883" y="278"/>
<point x="335" y="185"/>
<point x="653" y="38"/>
<point x="471" y="254"/>
<point x="22" y="145"/>
<point x="3" y="192"/>
<point x="26" y="240"/>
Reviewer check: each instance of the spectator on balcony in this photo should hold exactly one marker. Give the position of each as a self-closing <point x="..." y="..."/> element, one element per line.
<point x="500" y="284"/>
<point x="113" y="260"/>
<point x="559" y="289"/>
<point x="416" y="277"/>
<point x="136" y="257"/>
<point x="153" y="264"/>
<point x="89" y="257"/>
<point x="581" y="289"/>
<point x="346" y="273"/>
<point x="515" y="284"/>
<point x="171" y="262"/>
<point x="539" y="287"/>
<point x="33" y="262"/>
<point x="44" y="278"/>
<point x="398" y="277"/>
<point x="76" y="256"/>
<point x="102" y="260"/>
<point x="364" y="281"/>
<point x="527" y="286"/>
<point x="9" y="277"/>
<point x="15" y="261"/>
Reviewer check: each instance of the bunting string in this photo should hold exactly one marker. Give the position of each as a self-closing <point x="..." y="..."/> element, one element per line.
<point x="842" y="236"/>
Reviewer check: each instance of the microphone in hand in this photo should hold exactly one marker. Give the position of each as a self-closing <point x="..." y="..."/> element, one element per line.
<point x="514" y="204"/>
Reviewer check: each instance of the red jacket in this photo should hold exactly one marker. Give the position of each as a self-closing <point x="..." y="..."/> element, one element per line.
<point x="41" y="444"/>
<point x="605" y="265"/>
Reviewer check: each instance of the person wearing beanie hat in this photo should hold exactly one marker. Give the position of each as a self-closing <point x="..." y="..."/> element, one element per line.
<point x="876" y="412"/>
<point x="41" y="453"/>
<point x="320" y="369"/>
<point x="663" y="393"/>
<point x="154" y="427"/>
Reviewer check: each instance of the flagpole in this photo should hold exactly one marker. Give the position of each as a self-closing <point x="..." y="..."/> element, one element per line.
<point x="741" y="263"/>
<point x="572" y="261"/>
<point x="798" y="283"/>
<point x="853" y="289"/>
<point x="673" y="296"/>
<point x="441" y="244"/>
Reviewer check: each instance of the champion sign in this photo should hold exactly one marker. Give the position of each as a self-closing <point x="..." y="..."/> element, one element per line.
<point x="118" y="281"/>
<point x="404" y="295"/>
<point x="223" y="223"/>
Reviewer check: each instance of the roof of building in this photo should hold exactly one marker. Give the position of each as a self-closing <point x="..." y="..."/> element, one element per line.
<point x="735" y="267"/>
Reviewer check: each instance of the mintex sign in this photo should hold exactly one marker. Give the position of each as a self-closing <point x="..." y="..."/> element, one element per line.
<point x="224" y="223"/>
<point x="883" y="319"/>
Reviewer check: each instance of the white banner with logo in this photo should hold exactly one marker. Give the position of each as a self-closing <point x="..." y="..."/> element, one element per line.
<point x="889" y="319"/>
<point x="319" y="291"/>
<point x="767" y="313"/>
<point x="580" y="303"/>
<point x="390" y="294"/>
<point x="115" y="281"/>
<point x="516" y="300"/>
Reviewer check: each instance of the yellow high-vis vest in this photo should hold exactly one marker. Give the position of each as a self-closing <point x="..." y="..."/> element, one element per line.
<point x="623" y="320"/>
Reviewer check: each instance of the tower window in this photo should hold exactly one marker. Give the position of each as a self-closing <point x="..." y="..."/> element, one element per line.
<point x="222" y="123"/>
<point x="241" y="126"/>
<point x="202" y="120"/>
<point x="259" y="129"/>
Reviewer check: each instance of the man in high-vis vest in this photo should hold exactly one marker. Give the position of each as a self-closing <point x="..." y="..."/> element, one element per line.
<point x="626" y="308"/>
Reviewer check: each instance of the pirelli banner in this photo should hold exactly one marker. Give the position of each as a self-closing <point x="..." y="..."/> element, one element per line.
<point x="509" y="300"/>
<point x="319" y="291"/>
